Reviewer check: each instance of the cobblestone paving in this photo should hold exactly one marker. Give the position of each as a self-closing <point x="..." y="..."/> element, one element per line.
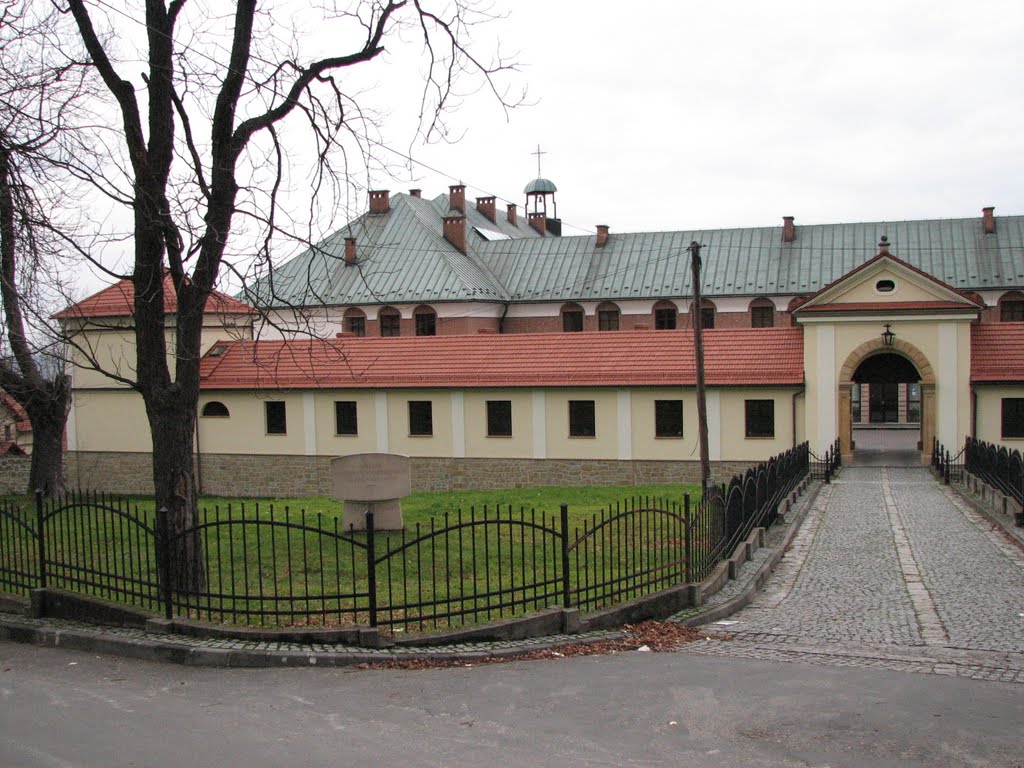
<point x="890" y="569"/>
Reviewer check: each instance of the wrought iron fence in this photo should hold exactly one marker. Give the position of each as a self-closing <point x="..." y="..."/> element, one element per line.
<point x="825" y="466"/>
<point x="282" y="567"/>
<point x="950" y="467"/>
<point x="998" y="466"/>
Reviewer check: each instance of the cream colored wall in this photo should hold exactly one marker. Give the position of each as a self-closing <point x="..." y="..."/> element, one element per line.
<point x="736" y="446"/>
<point x="478" y="444"/>
<point x="906" y="290"/>
<point x="399" y="439"/>
<point x="245" y="430"/>
<point x="990" y="414"/>
<point x="110" y="420"/>
<point x="602" y="446"/>
<point x="645" y="444"/>
<point x="328" y="443"/>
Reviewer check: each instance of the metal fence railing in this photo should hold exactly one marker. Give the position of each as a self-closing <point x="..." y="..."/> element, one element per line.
<point x="1000" y="467"/>
<point x="262" y="566"/>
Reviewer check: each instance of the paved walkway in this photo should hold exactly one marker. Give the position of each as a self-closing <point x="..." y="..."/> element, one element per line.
<point x="889" y="569"/>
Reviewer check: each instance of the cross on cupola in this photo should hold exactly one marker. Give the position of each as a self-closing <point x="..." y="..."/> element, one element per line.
<point x="537" y="192"/>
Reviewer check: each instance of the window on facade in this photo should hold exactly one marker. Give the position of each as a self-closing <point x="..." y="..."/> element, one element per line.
<point x="216" y="408"/>
<point x="572" y="318"/>
<point x="760" y="418"/>
<point x="608" y="318"/>
<point x="426" y="321"/>
<point x="668" y="418"/>
<point x="356" y="325"/>
<point x="762" y="316"/>
<point x="1011" y="309"/>
<point x="855" y="402"/>
<point x="665" y="318"/>
<point x="914" y="403"/>
<point x="581" y="418"/>
<point x="421" y="417"/>
<point x="885" y="286"/>
<point x="1013" y="417"/>
<point x="7" y="432"/>
<point x="499" y="418"/>
<point x="277" y="417"/>
<point x="390" y="323"/>
<point x="707" y="317"/>
<point x="345" y="418"/>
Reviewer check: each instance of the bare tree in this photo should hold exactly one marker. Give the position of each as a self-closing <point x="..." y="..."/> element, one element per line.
<point x="40" y="89"/>
<point x="213" y="115"/>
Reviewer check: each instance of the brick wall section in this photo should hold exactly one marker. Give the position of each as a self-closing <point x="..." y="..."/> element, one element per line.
<point x="14" y="472"/>
<point x="286" y="476"/>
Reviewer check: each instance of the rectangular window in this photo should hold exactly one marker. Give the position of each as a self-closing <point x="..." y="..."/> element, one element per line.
<point x="762" y="317"/>
<point x="664" y="319"/>
<point x="608" y="320"/>
<point x="855" y="402"/>
<point x="389" y="324"/>
<point x="357" y="326"/>
<point x="572" y="320"/>
<point x="345" y="418"/>
<point x="426" y="324"/>
<point x="1013" y="417"/>
<point x="1011" y="311"/>
<point x="668" y="418"/>
<point x="499" y="418"/>
<point x="914" y="403"/>
<point x="581" y="418"/>
<point x="421" y="417"/>
<point x="760" y="418"/>
<point x="707" y="318"/>
<point x="277" y="417"/>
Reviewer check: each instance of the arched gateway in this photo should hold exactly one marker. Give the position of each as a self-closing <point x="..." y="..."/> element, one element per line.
<point x="886" y="384"/>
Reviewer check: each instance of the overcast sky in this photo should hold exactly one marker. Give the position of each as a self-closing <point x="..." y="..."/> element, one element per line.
<point x="679" y="115"/>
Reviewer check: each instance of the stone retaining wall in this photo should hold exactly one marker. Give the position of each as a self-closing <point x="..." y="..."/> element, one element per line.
<point x="14" y="472"/>
<point x="285" y="476"/>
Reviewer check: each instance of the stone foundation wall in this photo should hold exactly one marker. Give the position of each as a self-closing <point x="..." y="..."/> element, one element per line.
<point x="14" y="472"/>
<point x="254" y="476"/>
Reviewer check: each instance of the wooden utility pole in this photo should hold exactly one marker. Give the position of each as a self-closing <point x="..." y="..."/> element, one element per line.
<point x="698" y="354"/>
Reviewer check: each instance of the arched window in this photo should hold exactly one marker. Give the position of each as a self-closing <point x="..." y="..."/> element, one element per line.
<point x="355" y="321"/>
<point x="390" y="321"/>
<point x="572" y="317"/>
<point x="426" y="321"/>
<point x="216" y="408"/>
<point x="607" y="317"/>
<point x="707" y="314"/>
<point x="666" y="316"/>
<point x="793" y="304"/>
<point x="1011" y="307"/>
<point x="762" y="313"/>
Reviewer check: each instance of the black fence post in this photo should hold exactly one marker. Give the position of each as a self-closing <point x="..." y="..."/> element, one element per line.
<point x="41" y="538"/>
<point x="945" y="469"/>
<point x="163" y="558"/>
<point x="566" y="597"/>
<point x="828" y="466"/>
<point x="687" y="538"/>
<point x="371" y="567"/>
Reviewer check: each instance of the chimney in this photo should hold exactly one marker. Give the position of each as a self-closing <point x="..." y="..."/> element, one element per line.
<point x="988" y="220"/>
<point x="350" y="251"/>
<point x="788" y="230"/>
<point x="457" y="197"/>
<point x="486" y="206"/>
<point x="512" y="214"/>
<point x="455" y="231"/>
<point x="380" y="201"/>
<point x="602" y="235"/>
<point x="883" y="246"/>
<point x="415" y="193"/>
<point x="539" y="222"/>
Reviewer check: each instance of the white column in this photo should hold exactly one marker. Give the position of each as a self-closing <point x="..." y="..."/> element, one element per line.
<point x="380" y="412"/>
<point x="540" y="426"/>
<point x="946" y="385"/>
<point x="713" y="401"/>
<point x="458" y="425"/>
<point x="309" y="422"/>
<point x="828" y="430"/>
<point x="625" y="424"/>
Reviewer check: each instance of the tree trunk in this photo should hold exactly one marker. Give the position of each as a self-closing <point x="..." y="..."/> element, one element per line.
<point x="48" y="416"/>
<point x="173" y="427"/>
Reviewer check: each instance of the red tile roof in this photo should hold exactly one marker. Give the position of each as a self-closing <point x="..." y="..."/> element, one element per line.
<point x="762" y="356"/>
<point x="891" y="307"/>
<point x="119" y="301"/>
<point x="23" y="424"/>
<point x="10" y="448"/>
<point x="997" y="352"/>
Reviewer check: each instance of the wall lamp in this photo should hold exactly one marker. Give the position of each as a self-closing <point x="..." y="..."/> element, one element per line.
<point x="888" y="336"/>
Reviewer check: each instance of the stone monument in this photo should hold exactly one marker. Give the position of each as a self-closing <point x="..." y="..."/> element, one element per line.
<point x="376" y="481"/>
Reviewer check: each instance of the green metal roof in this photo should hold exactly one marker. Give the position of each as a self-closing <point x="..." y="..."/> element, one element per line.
<point x="403" y="257"/>
<point x="540" y="185"/>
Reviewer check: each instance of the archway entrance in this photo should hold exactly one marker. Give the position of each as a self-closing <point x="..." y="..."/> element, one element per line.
<point x="886" y="404"/>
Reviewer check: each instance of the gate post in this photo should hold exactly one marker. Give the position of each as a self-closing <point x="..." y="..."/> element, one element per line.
<point x="566" y="602"/>
<point x="371" y="566"/>
<point x="41" y="538"/>
<point x="687" y="538"/>
<point x="163" y="558"/>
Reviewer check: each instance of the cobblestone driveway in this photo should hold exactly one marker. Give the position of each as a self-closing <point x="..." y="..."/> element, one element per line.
<point x="890" y="569"/>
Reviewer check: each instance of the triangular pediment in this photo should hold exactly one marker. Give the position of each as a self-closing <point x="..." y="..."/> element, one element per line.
<point x="886" y="282"/>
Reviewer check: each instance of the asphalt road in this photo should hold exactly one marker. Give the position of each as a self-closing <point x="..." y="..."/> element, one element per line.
<point x="64" y="708"/>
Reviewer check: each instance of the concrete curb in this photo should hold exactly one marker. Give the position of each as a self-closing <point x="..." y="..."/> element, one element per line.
<point x="982" y="507"/>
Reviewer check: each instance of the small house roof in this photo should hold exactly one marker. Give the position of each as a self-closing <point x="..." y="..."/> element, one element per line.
<point x="118" y="300"/>
<point x="997" y="352"/>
